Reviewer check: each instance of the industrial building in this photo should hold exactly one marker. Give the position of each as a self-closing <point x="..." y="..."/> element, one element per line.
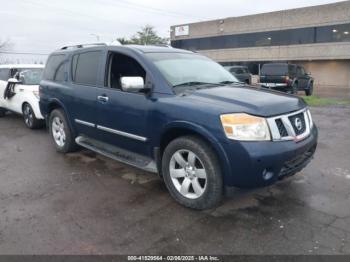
<point x="316" y="37"/>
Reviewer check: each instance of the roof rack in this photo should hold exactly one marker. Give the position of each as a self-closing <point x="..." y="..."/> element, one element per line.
<point x="82" y="45"/>
<point x="163" y="45"/>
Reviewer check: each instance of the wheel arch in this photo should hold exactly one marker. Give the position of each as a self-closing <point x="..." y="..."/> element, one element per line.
<point x="182" y="128"/>
<point x="56" y="104"/>
<point x="31" y="103"/>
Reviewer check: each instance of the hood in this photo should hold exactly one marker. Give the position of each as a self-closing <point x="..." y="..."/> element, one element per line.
<point x="249" y="100"/>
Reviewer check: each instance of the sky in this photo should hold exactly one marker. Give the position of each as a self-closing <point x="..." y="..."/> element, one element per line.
<point x="42" y="26"/>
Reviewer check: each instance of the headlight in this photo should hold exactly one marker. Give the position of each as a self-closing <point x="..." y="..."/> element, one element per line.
<point x="245" y="127"/>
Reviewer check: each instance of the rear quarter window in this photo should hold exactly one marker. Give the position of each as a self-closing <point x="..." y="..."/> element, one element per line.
<point x="54" y="69"/>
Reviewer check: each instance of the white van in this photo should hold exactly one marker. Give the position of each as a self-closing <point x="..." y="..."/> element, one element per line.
<point x="19" y="92"/>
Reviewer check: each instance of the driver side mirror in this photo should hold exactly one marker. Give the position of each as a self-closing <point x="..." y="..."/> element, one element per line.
<point x="14" y="81"/>
<point x="132" y="84"/>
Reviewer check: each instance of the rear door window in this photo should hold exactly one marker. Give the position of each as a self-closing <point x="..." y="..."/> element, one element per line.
<point x="85" y="67"/>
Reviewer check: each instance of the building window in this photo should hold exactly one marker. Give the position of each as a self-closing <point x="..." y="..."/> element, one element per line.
<point x="309" y="35"/>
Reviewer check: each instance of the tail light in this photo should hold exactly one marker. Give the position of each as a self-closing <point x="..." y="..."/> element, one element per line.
<point x="36" y="94"/>
<point x="287" y="80"/>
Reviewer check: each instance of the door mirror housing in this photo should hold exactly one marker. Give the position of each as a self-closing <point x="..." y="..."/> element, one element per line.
<point x="132" y="84"/>
<point x="14" y="81"/>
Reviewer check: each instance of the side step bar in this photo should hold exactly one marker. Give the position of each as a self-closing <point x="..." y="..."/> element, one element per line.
<point x="118" y="154"/>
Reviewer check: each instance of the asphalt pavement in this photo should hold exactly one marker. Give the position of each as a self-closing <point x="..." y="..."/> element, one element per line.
<point x="82" y="203"/>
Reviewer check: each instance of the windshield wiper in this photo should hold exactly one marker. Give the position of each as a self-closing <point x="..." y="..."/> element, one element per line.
<point x="195" y="83"/>
<point x="232" y="83"/>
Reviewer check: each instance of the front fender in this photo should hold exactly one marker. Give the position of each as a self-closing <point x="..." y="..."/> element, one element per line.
<point x="208" y="136"/>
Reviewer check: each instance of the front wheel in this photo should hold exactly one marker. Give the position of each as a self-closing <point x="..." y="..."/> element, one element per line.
<point x="30" y="119"/>
<point x="61" y="132"/>
<point x="192" y="173"/>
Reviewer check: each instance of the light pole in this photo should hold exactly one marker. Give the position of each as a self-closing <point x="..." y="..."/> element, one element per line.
<point x="97" y="37"/>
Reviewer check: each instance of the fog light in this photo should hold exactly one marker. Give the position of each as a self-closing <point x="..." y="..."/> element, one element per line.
<point x="267" y="174"/>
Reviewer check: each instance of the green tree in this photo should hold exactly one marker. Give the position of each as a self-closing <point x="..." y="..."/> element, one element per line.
<point x="124" y="41"/>
<point x="146" y="36"/>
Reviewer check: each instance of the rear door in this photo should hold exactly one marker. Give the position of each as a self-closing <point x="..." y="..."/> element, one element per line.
<point x="85" y="77"/>
<point x="14" y="103"/>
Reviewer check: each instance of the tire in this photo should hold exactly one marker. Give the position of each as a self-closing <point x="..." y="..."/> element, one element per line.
<point x="310" y="90"/>
<point x="61" y="132"/>
<point x="294" y="89"/>
<point x="29" y="117"/>
<point x="2" y="112"/>
<point x="197" y="174"/>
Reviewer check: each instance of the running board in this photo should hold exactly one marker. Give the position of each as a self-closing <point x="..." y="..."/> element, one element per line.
<point x="118" y="154"/>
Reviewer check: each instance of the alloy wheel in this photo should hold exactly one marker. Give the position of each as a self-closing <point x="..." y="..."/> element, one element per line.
<point x="28" y="116"/>
<point x="58" y="132"/>
<point x="188" y="174"/>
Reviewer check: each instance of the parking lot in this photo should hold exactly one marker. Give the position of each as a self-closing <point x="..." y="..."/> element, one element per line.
<point x="82" y="203"/>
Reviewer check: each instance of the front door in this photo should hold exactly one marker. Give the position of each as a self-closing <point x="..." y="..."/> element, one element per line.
<point x="122" y="116"/>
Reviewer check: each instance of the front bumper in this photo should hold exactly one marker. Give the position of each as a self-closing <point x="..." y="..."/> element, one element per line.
<point x="250" y="161"/>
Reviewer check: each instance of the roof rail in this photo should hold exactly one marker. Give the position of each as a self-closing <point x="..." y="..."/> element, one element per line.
<point x="82" y="45"/>
<point x="163" y="45"/>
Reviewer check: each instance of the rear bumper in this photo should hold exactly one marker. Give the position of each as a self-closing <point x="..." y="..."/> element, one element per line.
<point x="249" y="162"/>
<point x="277" y="86"/>
<point x="273" y="85"/>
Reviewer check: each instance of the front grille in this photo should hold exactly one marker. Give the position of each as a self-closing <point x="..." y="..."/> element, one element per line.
<point x="281" y="128"/>
<point x="294" y="126"/>
<point x="298" y="123"/>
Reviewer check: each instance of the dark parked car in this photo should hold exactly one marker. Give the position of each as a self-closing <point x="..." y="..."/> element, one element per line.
<point x="175" y="113"/>
<point x="287" y="78"/>
<point x="241" y="73"/>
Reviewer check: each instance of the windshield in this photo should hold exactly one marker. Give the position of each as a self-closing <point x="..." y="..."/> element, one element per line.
<point x="28" y="76"/>
<point x="274" y="70"/>
<point x="181" y="69"/>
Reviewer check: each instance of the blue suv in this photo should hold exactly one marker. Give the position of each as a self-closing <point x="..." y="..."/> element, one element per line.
<point x="175" y="113"/>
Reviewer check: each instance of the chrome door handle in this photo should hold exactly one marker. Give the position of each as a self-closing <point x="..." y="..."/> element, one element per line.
<point x="103" y="99"/>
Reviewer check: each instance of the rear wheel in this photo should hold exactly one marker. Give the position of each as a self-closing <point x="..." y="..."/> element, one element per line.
<point x="310" y="90"/>
<point x="2" y="112"/>
<point x="192" y="173"/>
<point x="29" y="117"/>
<point x="60" y="132"/>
